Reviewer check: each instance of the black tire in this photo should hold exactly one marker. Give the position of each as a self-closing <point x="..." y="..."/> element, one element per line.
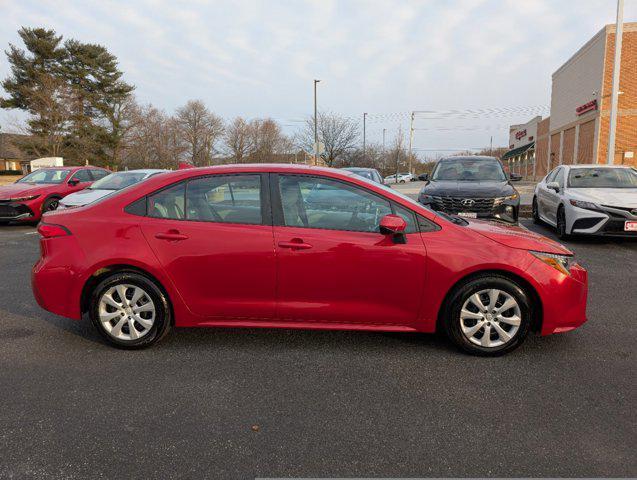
<point x="535" y="212"/>
<point x="163" y="317"/>
<point x="560" y="221"/>
<point x="402" y="181"/>
<point x="50" y="204"/>
<point x="452" y="314"/>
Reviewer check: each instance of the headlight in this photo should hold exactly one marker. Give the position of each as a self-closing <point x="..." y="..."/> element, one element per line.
<point x="500" y="200"/>
<point x="583" y="204"/>
<point x="559" y="262"/>
<point x="23" y="199"/>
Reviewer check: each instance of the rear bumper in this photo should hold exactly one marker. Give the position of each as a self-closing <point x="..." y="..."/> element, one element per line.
<point x="55" y="282"/>
<point x="563" y="297"/>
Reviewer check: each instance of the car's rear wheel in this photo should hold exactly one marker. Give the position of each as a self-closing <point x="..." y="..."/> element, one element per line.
<point x="488" y="316"/>
<point x="535" y="212"/>
<point x="130" y="310"/>
<point x="561" y="223"/>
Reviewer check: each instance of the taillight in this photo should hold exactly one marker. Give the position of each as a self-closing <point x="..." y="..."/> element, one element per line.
<point x="48" y="230"/>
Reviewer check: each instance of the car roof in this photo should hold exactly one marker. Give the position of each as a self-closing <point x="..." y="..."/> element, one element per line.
<point x="144" y="170"/>
<point x="261" y="167"/>
<point x="595" y="165"/>
<point x="468" y="157"/>
<point x="357" y="169"/>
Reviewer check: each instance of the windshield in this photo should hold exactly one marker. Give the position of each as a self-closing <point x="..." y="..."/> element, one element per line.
<point x="117" y="181"/>
<point x="469" y="170"/>
<point x="49" y="176"/>
<point x="602" y="178"/>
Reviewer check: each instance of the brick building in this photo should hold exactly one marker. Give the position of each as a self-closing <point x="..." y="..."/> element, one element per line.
<point x="577" y="130"/>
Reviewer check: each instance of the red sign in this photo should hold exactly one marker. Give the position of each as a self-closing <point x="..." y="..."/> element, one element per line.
<point x="520" y="134"/>
<point x="587" y="107"/>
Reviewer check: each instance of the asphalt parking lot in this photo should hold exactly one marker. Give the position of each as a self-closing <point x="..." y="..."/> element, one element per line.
<point x="223" y="403"/>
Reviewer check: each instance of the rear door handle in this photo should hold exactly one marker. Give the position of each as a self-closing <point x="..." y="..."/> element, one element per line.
<point x="172" y="235"/>
<point x="295" y="244"/>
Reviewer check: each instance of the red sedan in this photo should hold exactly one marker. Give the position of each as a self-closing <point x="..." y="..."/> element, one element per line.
<point x="40" y="191"/>
<point x="299" y="247"/>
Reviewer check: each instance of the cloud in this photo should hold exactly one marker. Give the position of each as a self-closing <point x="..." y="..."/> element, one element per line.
<point x="258" y="58"/>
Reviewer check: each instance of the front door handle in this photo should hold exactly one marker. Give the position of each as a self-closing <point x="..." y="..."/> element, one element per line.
<point x="295" y="244"/>
<point x="171" y="235"/>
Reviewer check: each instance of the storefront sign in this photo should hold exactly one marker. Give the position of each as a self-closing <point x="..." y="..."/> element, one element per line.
<point x="587" y="107"/>
<point x="520" y="134"/>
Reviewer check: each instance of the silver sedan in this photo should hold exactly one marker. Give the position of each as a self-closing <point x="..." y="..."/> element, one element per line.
<point x="588" y="199"/>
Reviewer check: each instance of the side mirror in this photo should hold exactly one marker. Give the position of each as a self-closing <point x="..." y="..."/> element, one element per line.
<point x="423" y="176"/>
<point x="553" y="186"/>
<point x="73" y="182"/>
<point x="392" y="225"/>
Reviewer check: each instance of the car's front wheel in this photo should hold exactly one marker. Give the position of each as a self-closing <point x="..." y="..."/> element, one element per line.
<point x="535" y="212"/>
<point x="488" y="315"/>
<point x="50" y="204"/>
<point x="130" y="310"/>
<point x="561" y="223"/>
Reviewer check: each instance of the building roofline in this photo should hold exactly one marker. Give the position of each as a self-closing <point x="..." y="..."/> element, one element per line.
<point x="605" y="30"/>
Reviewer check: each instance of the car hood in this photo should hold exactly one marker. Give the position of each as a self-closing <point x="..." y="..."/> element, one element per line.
<point x="515" y="236"/>
<point x="614" y="197"/>
<point x="468" y="189"/>
<point x="14" y="190"/>
<point x="84" y="197"/>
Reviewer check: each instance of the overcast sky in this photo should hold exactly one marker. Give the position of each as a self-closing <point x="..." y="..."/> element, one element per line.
<point x="258" y="58"/>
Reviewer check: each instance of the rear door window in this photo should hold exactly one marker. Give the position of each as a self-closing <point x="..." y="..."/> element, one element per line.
<point x="225" y="199"/>
<point x="168" y="203"/>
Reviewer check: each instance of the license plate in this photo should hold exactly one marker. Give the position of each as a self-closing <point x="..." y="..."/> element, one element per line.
<point x="630" y="226"/>
<point x="468" y="214"/>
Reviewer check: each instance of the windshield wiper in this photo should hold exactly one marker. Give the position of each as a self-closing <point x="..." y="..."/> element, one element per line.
<point x="453" y="218"/>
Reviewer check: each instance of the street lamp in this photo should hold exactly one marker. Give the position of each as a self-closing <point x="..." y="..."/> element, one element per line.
<point x="316" y="146"/>
<point x="364" y="120"/>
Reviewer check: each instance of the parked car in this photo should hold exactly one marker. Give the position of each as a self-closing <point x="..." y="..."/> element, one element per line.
<point x="369" y="173"/>
<point x="588" y="200"/>
<point x="402" y="178"/>
<point x="41" y="191"/>
<point x="105" y="186"/>
<point x="474" y="187"/>
<point x="244" y="246"/>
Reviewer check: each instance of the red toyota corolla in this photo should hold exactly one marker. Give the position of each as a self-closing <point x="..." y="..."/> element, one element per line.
<point x="299" y="247"/>
<point x="40" y="191"/>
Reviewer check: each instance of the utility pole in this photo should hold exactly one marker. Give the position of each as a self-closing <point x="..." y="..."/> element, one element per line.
<point x="610" y="157"/>
<point x="491" y="145"/>
<point x="364" y="135"/>
<point x="316" y="145"/>
<point x="411" y="138"/>
<point x="384" y="130"/>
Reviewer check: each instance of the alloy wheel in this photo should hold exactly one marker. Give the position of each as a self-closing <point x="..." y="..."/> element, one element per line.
<point x="490" y="318"/>
<point x="126" y="312"/>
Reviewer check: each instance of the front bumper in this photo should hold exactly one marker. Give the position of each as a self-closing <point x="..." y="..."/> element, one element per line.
<point x="605" y="221"/>
<point x="563" y="297"/>
<point x="483" y="208"/>
<point x="15" y="211"/>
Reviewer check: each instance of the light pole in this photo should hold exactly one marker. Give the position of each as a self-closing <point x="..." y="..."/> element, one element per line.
<point x="364" y="133"/>
<point x="316" y="145"/>
<point x="610" y="156"/>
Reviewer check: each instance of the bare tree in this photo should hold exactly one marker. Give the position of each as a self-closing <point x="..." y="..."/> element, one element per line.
<point x="200" y="129"/>
<point x="338" y="134"/>
<point x="154" y="140"/>
<point x="238" y="140"/>
<point x="269" y="144"/>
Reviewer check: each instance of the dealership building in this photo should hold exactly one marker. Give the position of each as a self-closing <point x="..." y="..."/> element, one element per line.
<point x="577" y="129"/>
